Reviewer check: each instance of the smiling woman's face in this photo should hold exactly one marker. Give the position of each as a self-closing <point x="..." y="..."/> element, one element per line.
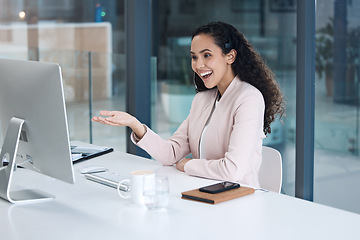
<point x="210" y="63"/>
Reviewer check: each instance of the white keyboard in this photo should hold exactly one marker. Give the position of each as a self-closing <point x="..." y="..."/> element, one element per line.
<point x="109" y="179"/>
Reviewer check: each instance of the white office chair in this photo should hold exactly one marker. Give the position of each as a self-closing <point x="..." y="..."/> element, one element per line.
<point x="270" y="173"/>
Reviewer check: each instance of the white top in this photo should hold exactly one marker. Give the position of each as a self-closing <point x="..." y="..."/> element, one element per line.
<point x="202" y="139"/>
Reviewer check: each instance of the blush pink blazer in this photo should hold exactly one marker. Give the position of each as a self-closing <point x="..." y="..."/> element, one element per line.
<point x="233" y="139"/>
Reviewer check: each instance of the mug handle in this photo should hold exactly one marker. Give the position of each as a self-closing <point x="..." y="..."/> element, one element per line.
<point x="121" y="193"/>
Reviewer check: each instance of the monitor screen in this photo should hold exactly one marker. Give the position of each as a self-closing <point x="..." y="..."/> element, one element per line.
<point x="33" y="91"/>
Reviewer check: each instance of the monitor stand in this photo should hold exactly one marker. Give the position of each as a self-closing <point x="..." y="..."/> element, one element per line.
<point x="8" y="153"/>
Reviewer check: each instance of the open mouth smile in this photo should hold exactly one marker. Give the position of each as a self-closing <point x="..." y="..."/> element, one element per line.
<point x="205" y="75"/>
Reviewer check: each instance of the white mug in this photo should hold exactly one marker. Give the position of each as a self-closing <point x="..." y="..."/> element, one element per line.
<point x="136" y="183"/>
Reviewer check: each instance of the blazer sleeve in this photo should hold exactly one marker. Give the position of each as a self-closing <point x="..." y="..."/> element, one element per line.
<point x="168" y="151"/>
<point x="241" y="159"/>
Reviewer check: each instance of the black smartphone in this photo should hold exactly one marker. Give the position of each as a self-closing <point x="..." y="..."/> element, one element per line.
<point x="219" y="187"/>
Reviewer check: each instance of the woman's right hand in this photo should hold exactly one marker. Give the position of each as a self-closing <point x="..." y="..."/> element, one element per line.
<point x="118" y="118"/>
<point x="114" y="118"/>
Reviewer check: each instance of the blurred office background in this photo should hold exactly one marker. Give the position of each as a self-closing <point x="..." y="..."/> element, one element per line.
<point x="88" y="39"/>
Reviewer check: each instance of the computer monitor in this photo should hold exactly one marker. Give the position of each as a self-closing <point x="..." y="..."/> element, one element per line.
<point x="33" y="119"/>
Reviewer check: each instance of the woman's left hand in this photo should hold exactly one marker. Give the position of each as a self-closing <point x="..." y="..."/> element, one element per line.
<point x="181" y="164"/>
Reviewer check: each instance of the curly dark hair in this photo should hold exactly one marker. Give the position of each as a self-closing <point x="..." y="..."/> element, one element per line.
<point x="249" y="66"/>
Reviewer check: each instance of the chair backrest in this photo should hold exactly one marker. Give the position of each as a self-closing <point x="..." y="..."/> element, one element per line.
<point x="270" y="173"/>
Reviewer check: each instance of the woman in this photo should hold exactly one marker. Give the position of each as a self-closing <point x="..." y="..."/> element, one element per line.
<point x="230" y="115"/>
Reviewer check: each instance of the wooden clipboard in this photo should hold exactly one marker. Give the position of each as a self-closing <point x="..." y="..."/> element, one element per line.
<point x="210" y="198"/>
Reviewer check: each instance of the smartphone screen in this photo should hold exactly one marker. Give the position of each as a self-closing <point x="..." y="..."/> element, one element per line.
<point x="219" y="187"/>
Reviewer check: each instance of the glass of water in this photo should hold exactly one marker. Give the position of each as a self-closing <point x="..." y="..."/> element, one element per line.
<point x="156" y="192"/>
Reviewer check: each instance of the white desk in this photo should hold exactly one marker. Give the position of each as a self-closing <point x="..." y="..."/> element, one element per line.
<point x="88" y="210"/>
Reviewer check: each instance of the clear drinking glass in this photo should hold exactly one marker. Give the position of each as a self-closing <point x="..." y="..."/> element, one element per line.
<point x="156" y="192"/>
